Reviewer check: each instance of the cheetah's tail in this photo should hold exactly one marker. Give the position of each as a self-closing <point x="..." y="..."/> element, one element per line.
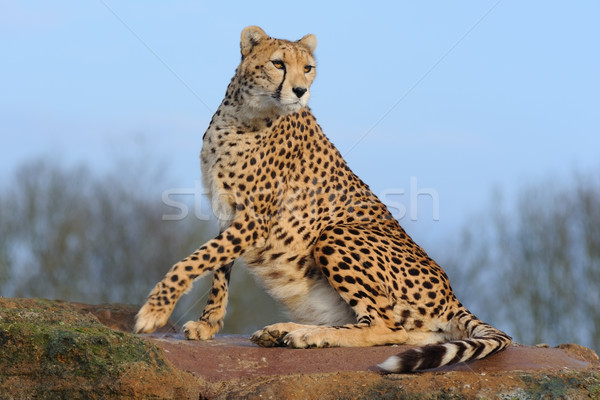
<point x="480" y="340"/>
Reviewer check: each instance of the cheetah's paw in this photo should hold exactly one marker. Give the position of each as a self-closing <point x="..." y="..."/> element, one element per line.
<point x="268" y="338"/>
<point x="150" y="317"/>
<point x="272" y="335"/>
<point x="199" y="330"/>
<point x="306" y="338"/>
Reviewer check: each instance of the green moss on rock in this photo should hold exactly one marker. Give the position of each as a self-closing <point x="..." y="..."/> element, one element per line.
<point x="51" y="348"/>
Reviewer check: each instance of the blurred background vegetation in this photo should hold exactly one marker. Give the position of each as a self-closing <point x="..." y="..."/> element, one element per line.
<point x="530" y="266"/>
<point x="73" y="234"/>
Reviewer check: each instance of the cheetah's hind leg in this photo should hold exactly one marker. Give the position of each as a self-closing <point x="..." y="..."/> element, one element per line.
<point x="294" y="335"/>
<point x="351" y="274"/>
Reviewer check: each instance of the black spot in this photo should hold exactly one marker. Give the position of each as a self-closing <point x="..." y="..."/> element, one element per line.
<point x="413" y="271"/>
<point x="174" y="278"/>
<point x="343" y="265"/>
<point x="301" y="262"/>
<point x="338" y="278"/>
<point x="323" y="260"/>
<point x="349" y="279"/>
<point x="328" y="250"/>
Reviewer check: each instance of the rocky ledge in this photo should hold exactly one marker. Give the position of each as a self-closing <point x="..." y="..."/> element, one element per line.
<point x="54" y="349"/>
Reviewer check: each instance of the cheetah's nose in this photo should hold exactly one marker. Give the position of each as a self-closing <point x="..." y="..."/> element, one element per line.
<point x="299" y="91"/>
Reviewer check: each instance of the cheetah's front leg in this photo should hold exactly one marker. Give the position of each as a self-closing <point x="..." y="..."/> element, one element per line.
<point x="214" y="312"/>
<point x="217" y="252"/>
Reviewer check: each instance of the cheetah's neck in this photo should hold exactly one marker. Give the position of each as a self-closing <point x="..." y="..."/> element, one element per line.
<point x="242" y="113"/>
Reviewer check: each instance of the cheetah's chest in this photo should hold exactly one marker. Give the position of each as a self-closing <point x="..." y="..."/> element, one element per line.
<point x="215" y="163"/>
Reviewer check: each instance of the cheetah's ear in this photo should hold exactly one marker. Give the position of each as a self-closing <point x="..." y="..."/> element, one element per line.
<point x="310" y="42"/>
<point x="251" y="36"/>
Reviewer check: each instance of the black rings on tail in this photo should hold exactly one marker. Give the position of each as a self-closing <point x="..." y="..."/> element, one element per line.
<point x="481" y="341"/>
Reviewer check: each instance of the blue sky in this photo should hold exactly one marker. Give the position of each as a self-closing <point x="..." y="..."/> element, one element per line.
<point x="461" y="96"/>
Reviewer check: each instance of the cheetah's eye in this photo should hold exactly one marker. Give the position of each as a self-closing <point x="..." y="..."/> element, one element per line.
<point x="278" y="64"/>
<point x="307" y="68"/>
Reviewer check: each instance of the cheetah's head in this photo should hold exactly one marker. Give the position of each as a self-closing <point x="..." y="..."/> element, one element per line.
<point x="276" y="74"/>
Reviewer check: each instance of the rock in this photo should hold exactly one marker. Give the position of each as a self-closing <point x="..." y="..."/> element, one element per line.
<point x="119" y="316"/>
<point x="232" y="367"/>
<point x="53" y="349"/>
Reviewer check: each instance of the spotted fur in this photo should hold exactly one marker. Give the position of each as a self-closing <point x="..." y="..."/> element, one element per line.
<point x="314" y="234"/>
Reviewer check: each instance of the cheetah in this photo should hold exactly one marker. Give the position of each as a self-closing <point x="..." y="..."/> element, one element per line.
<point x="313" y="233"/>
